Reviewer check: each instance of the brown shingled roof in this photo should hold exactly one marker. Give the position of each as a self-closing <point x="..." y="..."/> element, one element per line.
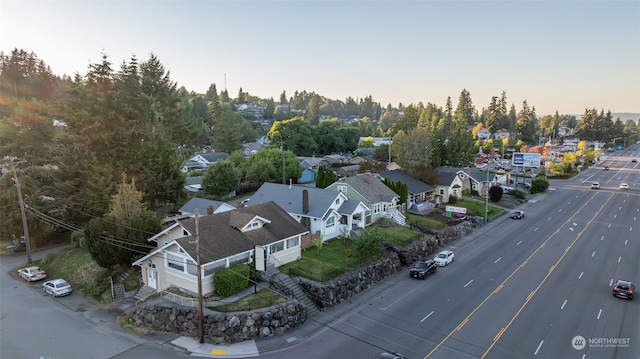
<point x="221" y="235"/>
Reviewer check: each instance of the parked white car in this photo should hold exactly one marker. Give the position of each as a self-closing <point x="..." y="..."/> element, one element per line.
<point x="443" y="258"/>
<point x="57" y="287"/>
<point x="32" y="273"/>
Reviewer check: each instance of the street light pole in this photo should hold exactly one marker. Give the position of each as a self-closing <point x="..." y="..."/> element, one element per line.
<point x="486" y="199"/>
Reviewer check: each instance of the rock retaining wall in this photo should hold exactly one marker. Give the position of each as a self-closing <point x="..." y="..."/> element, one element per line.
<point x="226" y="328"/>
<point x="335" y="291"/>
<point x="222" y="328"/>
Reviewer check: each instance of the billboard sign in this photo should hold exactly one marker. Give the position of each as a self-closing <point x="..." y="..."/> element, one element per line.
<point x="526" y="159"/>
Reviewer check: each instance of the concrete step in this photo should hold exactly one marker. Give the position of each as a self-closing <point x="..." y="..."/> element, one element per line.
<point x="118" y="291"/>
<point x="293" y="290"/>
<point x="124" y="275"/>
<point x="144" y="292"/>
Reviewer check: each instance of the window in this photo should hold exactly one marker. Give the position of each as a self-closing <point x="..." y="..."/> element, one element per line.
<point x="175" y="262"/>
<point x="293" y="242"/>
<point x="377" y="208"/>
<point x="342" y="189"/>
<point x="331" y="221"/>
<point x="276" y="247"/>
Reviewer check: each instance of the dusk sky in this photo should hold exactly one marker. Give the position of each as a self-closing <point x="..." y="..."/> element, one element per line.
<point x="562" y="56"/>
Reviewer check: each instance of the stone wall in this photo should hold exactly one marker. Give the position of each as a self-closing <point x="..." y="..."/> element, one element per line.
<point x="226" y="328"/>
<point x="335" y="291"/>
<point x="222" y="328"/>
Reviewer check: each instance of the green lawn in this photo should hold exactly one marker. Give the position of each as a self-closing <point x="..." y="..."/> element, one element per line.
<point x="337" y="257"/>
<point x="476" y="208"/>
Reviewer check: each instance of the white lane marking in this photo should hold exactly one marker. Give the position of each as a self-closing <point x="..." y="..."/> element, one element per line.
<point x="548" y="219"/>
<point x="611" y="282"/>
<point x="630" y="229"/>
<point x="560" y="210"/>
<point x="498" y="260"/>
<point x="468" y="283"/>
<point x="593" y="254"/>
<point x="599" y="312"/>
<point x="619" y="259"/>
<point x="584" y="356"/>
<point x="615" y="216"/>
<point x="575" y="224"/>
<point x="625" y="241"/>
<point x="517" y="244"/>
<point x="601" y="238"/>
<point x="428" y="315"/>
<point x="609" y="225"/>
<point x="539" y="345"/>
<point x="571" y="229"/>
<point x="580" y="276"/>
<point x="563" y="304"/>
<point x="536" y="229"/>
<point x="619" y="208"/>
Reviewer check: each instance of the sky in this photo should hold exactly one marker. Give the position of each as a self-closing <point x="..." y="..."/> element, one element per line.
<point x="564" y="56"/>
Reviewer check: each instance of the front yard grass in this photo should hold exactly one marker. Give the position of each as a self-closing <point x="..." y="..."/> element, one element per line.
<point x="337" y="256"/>
<point x="476" y="208"/>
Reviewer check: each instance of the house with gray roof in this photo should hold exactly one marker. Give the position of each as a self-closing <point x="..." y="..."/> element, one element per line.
<point x="454" y="181"/>
<point x="421" y="195"/>
<point x="329" y="214"/>
<point x="204" y="207"/>
<point x="380" y="200"/>
<point x="202" y="161"/>
<point x="225" y="238"/>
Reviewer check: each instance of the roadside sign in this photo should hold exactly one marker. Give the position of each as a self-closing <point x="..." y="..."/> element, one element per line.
<point x="456" y="209"/>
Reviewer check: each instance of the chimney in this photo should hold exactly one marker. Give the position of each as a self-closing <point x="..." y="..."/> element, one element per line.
<point x="305" y="201"/>
<point x="239" y="204"/>
<point x="367" y="176"/>
<point x="209" y="210"/>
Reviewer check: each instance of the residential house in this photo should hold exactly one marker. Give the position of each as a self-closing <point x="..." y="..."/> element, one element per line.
<point x="335" y="159"/>
<point x="204" y="207"/>
<point x="347" y="171"/>
<point x="225" y="238"/>
<point x="250" y="148"/>
<point x="203" y="160"/>
<point x="323" y="213"/>
<point x="502" y="133"/>
<point x="380" y="200"/>
<point x="453" y="181"/>
<point x="421" y="195"/>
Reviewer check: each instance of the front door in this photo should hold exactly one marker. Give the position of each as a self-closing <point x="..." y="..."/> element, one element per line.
<point x="151" y="278"/>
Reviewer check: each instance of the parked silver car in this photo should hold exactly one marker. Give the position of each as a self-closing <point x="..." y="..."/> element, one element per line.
<point x="32" y="273"/>
<point x="57" y="287"/>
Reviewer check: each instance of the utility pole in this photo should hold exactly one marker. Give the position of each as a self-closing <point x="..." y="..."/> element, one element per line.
<point x="282" y="150"/>
<point x="25" y="228"/>
<point x="199" y="267"/>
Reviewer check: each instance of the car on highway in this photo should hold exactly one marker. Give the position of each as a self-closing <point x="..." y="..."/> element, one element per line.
<point x="624" y="289"/>
<point x="57" y="287"/>
<point x="624" y="186"/>
<point x="517" y="214"/>
<point x="422" y="269"/>
<point x="390" y="355"/>
<point x="443" y="258"/>
<point x="31" y="274"/>
<point x="595" y="185"/>
<point x="606" y="168"/>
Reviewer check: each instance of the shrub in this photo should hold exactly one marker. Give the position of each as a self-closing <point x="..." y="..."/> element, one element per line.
<point x="453" y="199"/>
<point x="229" y="281"/>
<point x="495" y="193"/>
<point x="369" y="243"/>
<point x="518" y="193"/>
<point x="539" y="184"/>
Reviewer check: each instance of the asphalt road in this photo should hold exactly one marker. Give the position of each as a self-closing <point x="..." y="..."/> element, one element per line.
<point x="517" y="289"/>
<point x="35" y="325"/>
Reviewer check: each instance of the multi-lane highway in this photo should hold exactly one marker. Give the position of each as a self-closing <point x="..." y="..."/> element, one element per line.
<point x="533" y="288"/>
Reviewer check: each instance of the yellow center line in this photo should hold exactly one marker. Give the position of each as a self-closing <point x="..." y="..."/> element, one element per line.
<point x="495" y="339"/>
<point x="466" y="320"/>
